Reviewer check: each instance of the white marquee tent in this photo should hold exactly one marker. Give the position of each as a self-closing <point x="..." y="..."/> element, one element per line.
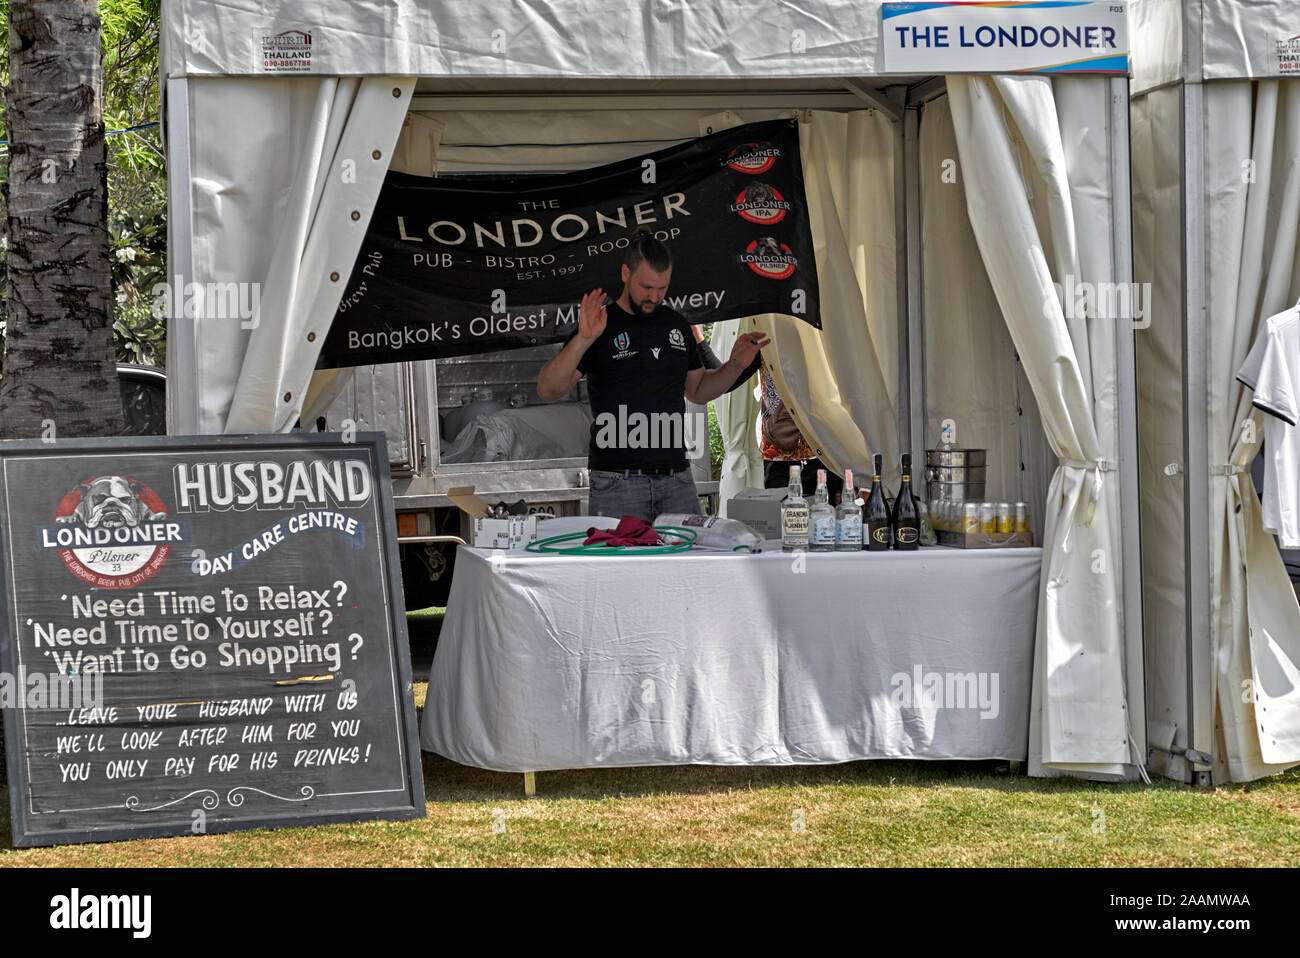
<point x="943" y="210"/>
<point x="1216" y="186"/>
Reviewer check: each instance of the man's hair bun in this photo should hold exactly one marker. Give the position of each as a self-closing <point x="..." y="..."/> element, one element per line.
<point x="644" y="248"/>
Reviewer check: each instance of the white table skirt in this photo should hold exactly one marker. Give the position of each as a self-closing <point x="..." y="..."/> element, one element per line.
<point x="550" y="662"/>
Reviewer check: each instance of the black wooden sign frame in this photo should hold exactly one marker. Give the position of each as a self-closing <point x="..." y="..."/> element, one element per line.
<point x="113" y="549"/>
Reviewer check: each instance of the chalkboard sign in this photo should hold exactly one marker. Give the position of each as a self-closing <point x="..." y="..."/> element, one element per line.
<point x="202" y="635"/>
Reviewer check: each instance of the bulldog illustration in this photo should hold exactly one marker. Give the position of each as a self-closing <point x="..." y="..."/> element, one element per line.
<point x="769" y="248"/>
<point x="111" y="502"/>
<point x="760" y="194"/>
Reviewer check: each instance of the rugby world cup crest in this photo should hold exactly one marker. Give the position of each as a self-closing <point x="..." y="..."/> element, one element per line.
<point x="112" y="532"/>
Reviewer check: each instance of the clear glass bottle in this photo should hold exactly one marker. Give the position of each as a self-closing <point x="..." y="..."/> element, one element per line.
<point x="794" y="515"/>
<point x="848" y="518"/>
<point x="821" y="518"/>
<point x="928" y="538"/>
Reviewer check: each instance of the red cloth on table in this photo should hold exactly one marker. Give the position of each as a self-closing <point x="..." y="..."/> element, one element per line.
<point x="630" y="531"/>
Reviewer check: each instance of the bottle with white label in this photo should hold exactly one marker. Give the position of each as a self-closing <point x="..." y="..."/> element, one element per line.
<point x="794" y="515"/>
<point x="848" y="518"/>
<point x="821" y="518"/>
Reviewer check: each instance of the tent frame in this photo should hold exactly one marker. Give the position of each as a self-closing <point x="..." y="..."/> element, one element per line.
<point x="1196" y="428"/>
<point x="901" y="98"/>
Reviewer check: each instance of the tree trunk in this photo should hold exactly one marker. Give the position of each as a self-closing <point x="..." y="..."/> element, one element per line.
<point x="60" y="378"/>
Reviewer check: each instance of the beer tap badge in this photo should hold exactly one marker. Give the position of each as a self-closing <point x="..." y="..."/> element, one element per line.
<point x="112" y="532"/>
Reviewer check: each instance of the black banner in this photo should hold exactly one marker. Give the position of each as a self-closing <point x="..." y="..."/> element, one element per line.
<point x="202" y="636"/>
<point x="456" y="266"/>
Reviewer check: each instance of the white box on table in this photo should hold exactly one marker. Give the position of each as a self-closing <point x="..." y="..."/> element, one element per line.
<point x="760" y="509"/>
<point x="514" y="532"/>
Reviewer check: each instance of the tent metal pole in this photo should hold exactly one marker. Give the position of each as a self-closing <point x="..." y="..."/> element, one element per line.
<point x="1196" y="438"/>
<point x="913" y="430"/>
<point x="1126" y="411"/>
<point x="889" y="100"/>
<point x="182" y="411"/>
<point x="900" y="281"/>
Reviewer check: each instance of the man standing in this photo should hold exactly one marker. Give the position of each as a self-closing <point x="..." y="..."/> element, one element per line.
<point x="640" y="360"/>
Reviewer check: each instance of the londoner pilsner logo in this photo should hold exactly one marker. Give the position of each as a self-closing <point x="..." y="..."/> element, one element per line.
<point x="753" y="158"/>
<point x="112" y="532"/>
<point x="769" y="258"/>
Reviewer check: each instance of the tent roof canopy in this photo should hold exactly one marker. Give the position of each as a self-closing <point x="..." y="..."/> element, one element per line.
<point x="641" y="39"/>
<point x="1173" y="40"/>
<point x="519" y="42"/>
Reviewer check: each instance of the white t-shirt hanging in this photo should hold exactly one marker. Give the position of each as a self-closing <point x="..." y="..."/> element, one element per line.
<point x="1273" y="370"/>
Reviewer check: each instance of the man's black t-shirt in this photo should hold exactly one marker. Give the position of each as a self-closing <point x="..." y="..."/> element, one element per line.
<point x="636" y="377"/>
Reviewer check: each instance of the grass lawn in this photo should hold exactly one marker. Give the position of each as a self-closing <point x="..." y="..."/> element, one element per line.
<point x="862" y="813"/>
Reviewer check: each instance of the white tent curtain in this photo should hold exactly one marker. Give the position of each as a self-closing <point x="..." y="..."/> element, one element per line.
<point x="1039" y="206"/>
<point x="973" y="378"/>
<point x="834" y="380"/>
<point x="737" y="412"/>
<point x="846" y="396"/>
<point x="280" y="203"/>
<point x="416" y="152"/>
<point x="1253" y="197"/>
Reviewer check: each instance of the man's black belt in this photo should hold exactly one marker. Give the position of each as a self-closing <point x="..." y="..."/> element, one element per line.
<point x="643" y="472"/>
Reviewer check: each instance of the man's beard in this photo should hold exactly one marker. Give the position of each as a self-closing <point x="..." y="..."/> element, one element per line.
<point x="646" y="306"/>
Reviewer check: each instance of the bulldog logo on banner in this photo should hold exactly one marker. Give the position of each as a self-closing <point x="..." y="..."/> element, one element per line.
<point x="458" y="265"/>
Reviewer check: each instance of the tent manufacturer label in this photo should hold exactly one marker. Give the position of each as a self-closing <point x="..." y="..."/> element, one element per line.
<point x="285" y="50"/>
<point x="1286" y="56"/>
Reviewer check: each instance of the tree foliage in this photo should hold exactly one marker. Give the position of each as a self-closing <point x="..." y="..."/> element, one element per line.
<point x="137" y="173"/>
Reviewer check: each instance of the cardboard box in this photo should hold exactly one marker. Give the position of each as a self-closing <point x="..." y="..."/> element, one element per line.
<point x="513" y="532"/>
<point x="760" y="509"/>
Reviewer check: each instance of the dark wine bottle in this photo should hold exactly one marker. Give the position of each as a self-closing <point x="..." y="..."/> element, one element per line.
<point x="906" y="520"/>
<point x="877" y="528"/>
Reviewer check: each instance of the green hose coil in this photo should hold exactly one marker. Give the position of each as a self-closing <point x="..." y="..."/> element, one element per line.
<point x="551" y="546"/>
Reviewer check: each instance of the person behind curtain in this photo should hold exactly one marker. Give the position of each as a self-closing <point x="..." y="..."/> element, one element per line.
<point x="779" y="438"/>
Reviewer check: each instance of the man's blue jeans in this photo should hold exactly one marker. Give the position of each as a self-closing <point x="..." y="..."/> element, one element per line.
<point x="621" y="494"/>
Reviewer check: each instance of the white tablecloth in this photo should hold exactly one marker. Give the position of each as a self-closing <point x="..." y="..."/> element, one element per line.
<point x="550" y="662"/>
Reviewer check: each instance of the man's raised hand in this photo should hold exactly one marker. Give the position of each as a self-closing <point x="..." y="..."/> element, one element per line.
<point x="591" y="315"/>
<point x="747" y="347"/>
